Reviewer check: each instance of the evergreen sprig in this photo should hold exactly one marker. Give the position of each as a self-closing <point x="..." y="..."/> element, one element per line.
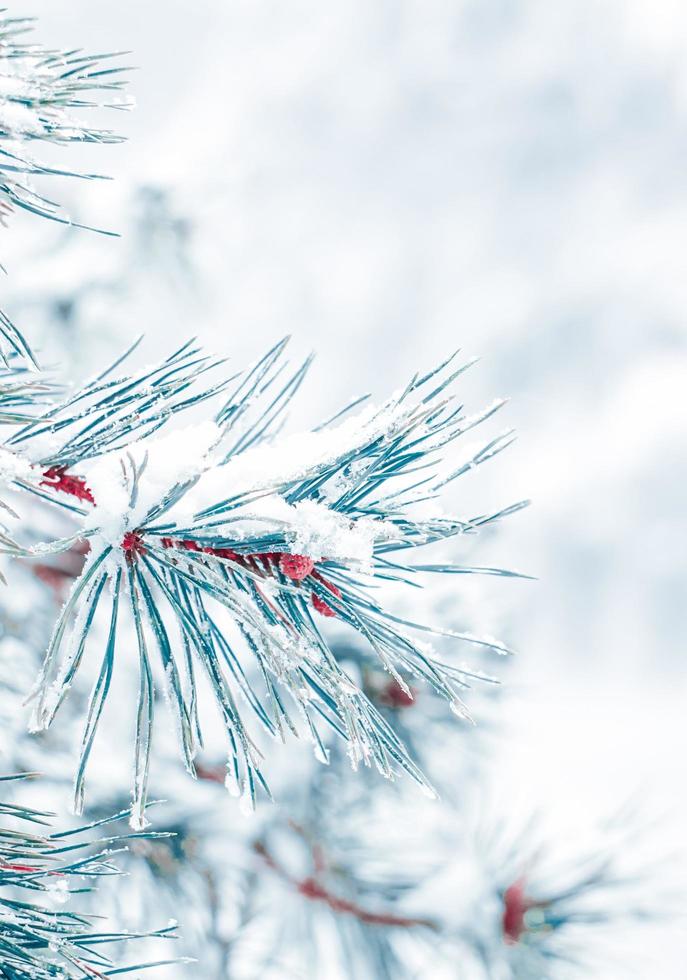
<point x="310" y="529"/>
<point x="39" y="938"/>
<point x="42" y="95"/>
<point x="41" y="92"/>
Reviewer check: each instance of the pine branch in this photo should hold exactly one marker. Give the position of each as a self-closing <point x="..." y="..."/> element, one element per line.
<point x="305" y="535"/>
<point x="37" y="940"/>
<point x="42" y="95"/>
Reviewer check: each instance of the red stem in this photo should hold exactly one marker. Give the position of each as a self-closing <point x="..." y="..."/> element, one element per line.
<point x="314" y="890"/>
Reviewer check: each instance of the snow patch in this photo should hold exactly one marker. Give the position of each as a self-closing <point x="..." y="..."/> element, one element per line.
<point x="128" y="484"/>
<point x="14" y="467"/>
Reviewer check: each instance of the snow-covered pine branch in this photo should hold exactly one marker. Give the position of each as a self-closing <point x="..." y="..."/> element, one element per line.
<point x="280" y="532"/>
<point x="44" y="94"/>
<point x="40" y="937"/>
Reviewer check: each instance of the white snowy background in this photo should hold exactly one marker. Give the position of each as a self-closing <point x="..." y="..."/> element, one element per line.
<point x="387" y="182"/>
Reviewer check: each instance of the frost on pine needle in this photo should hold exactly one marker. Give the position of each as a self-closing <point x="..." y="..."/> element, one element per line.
<point x="230" y="518"/>
<point x="42" y="876"/>
<point x="44" y="97"/>
<point x="111" y="411"/>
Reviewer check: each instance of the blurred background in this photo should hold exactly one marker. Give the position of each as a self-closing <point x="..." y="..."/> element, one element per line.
<point x="387" y="182"/>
